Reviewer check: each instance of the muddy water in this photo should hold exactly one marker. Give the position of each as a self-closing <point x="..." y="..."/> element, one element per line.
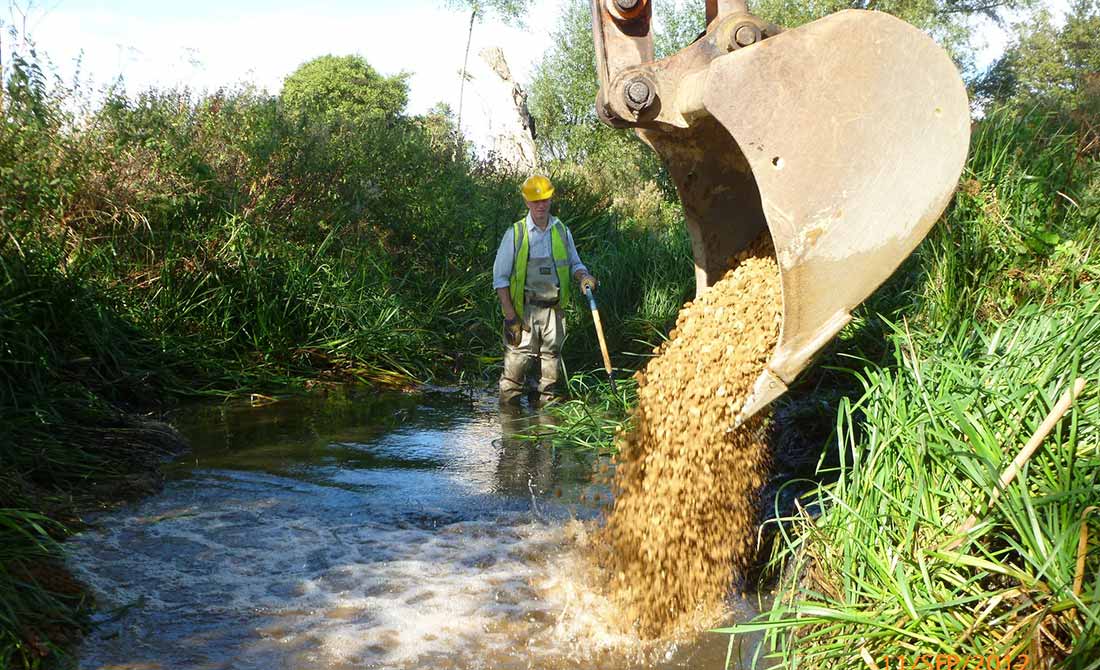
<point x="360" y="531"/>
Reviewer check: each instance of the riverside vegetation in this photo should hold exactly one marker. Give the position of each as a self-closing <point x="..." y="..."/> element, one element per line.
<point x="176" y="244"/>
<point x="903" y="428"/>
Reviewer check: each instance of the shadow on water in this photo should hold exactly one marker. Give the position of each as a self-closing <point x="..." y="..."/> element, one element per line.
<point x="527" y="466"/>
<point x="361" y="530"/>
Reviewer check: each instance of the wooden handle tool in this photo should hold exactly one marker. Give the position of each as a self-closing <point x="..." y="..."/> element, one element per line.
<point x="599" y="334"/>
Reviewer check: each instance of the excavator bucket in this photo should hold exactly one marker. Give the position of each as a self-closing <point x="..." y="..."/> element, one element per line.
<point x="844" y="137"/>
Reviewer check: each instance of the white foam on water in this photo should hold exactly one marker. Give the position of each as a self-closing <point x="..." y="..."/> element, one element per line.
<point x="441" y="594"/>
<point x="509" y="591"/>
<point x="396" y="567"/>
<point x="263" y="581"/>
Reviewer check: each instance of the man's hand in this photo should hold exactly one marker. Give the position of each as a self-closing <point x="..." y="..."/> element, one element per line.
<point x="513" y="331"/>
<point x="588" y="284"/>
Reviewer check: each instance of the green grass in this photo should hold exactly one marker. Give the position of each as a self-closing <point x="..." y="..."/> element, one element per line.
<point x="592" y="413"/>
<point x="29" y="607"/>
<point x="864" y="565"/>
<point x="916" y="409"/>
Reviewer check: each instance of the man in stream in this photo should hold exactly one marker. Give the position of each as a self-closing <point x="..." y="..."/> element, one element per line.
<point x="531" y="275"/>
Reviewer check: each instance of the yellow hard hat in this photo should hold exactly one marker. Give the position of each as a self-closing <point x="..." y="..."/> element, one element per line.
<point x="536" y="187"/>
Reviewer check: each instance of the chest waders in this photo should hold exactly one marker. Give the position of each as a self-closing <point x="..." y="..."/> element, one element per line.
<point x="545" y="279"/>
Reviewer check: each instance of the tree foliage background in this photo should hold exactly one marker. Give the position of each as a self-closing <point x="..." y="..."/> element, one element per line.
<point x="333" y="88"/>
<point x="1050" y="65"/>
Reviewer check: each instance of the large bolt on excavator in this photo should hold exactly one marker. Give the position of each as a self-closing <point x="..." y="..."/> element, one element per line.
<point x="845" y="137"/>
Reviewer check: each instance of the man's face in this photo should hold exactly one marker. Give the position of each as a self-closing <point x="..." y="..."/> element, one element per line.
<point x="540" y="211"/>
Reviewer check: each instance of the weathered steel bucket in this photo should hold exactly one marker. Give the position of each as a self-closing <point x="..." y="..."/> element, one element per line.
<point x="845" y="137"/>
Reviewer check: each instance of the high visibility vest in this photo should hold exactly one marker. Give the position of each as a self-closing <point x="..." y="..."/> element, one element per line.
<point x="519" y="263"/>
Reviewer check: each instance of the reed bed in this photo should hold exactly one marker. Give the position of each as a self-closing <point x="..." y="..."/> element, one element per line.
<point x="870" y="562"/>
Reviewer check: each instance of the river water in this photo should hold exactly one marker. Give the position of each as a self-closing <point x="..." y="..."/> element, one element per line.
<point x="361" y="530"/>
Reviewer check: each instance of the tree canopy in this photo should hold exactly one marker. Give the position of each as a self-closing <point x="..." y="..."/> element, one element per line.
<point x="1049" y="65"/>
<point x="336" y="89"/>
<point x="509" y="11"/>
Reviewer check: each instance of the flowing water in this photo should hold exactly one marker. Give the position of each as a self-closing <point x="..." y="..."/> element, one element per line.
<point x="361" y="530"/>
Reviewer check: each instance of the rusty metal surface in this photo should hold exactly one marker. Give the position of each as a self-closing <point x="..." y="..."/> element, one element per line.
<point x="620" y="43"/>
<point x="668" y="74"/>
<point x="856" y="149"/>
<point x="720" y="197"/>
<point x="845" y="137"/>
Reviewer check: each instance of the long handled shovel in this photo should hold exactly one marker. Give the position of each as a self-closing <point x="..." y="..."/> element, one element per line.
<point x="599" y="334"/>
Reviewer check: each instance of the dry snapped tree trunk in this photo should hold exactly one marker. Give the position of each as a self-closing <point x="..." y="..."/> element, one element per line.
<point x="516" y="144"/>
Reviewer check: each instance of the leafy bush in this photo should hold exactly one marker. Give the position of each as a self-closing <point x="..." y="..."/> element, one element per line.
<point x="342" y="89"/>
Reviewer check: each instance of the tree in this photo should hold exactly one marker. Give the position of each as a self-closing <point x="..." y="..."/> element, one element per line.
<point x="508" y="10"/>
<point x="563" y="92"/>
<point x="343" y="89"/>
<point x="1050" y="66"/>
<point x="676" y="25"/>
<point x="439" y="124"/>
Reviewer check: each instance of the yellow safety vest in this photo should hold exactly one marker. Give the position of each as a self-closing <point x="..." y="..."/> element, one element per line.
<point x="519" y="263"/>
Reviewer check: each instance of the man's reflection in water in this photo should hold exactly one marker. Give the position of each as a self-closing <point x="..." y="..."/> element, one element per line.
<point x="526" y="465"/>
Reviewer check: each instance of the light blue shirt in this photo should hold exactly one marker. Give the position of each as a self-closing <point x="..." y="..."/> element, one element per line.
<point x="538" y="242"/>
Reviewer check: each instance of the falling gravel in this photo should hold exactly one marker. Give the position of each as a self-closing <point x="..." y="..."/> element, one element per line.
<point x="683" y="518"/>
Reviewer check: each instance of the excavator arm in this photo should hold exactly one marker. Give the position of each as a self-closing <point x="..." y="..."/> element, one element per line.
<point x="845" y="137"/>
